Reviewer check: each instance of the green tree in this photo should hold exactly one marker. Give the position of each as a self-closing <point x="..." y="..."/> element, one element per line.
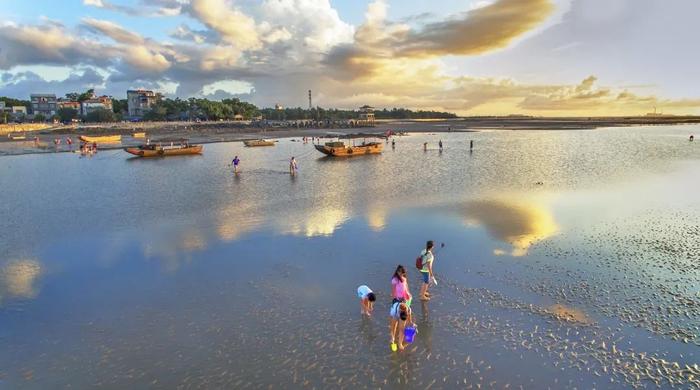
<point x="120" y="106"/>
<point x="39" y="118"/>
<point x="9" y="102"/>
<point x="72" y="96"/>
<point x="100" y="115"/>
<point x="156" y="113"/>
<point x="67" y="114"/>
<point x="86" y="95"/>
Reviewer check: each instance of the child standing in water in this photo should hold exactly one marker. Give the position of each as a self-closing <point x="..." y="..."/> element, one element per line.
<point x="399" y="286"/>
<point x="367" y="299"/>
<point x="399" y="316"/>
<point x="235" y="163"/>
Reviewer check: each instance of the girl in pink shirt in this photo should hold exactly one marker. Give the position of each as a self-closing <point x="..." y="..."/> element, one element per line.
<point x="399" y="286"/>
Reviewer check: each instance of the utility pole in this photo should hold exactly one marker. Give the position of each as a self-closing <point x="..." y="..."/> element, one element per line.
<point x="310" y="106"/>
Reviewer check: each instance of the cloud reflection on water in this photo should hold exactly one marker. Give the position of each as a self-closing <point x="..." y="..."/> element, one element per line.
<point x="18" y="279"/>
<point x="322" y="222"/>
<point x="518" y="222"/>
<point x="376" y="218"/>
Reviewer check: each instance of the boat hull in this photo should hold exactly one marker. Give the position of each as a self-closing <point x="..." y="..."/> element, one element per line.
<point x="349" y="151"/>
<point x="164" y="152"/>
<point x="108" y="139"/>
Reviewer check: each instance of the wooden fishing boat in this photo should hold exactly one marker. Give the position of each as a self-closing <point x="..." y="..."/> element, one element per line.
<point x="16" y="137"/>
<point x="259" y="142"/>
<point x="105" y="139"/>
<point x="139" y="135"/>
<point x="160" y="150"/>
<point x="339" y="149"/>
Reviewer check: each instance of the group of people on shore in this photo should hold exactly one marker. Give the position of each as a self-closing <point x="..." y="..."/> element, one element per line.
<point x="86" y="148"/>
<point x="400" y="315"/>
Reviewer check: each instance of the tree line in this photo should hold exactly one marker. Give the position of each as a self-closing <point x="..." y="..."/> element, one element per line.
<point x="166" y="109"/>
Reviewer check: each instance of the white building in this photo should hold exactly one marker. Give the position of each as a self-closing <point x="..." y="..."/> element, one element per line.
<point x="90" y="105"/>
<point x="140" y="101"/>
<point x="44" y="104"/>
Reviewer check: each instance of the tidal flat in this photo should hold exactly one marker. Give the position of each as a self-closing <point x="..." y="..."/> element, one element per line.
<point x="571" y="260"/>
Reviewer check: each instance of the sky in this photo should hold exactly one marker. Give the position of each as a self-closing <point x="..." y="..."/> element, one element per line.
<point x="478" y="57"/>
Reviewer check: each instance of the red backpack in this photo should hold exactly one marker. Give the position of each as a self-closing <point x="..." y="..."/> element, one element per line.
<point x="419" y="262"/>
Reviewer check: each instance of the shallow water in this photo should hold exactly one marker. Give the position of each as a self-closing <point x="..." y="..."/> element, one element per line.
<point x="175" y="273"/>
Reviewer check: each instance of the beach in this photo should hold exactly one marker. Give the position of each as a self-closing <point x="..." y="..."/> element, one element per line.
<point x="211" y="132"/>
<point x="169" y="273"/>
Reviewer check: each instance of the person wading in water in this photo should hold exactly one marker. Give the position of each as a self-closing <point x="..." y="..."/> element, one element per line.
<point x="427" y="270"/>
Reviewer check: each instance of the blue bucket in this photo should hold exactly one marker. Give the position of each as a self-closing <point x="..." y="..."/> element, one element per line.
<point x="409" y="332"/>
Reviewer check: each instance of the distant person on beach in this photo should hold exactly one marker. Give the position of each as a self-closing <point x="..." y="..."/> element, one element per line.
<point x="393" y="143"/>
<point x="399" y="316"/>
<point x="425" y="146"/>
<point x="427" y="270"/>
<point x="235" y="163"/>
<point x="69" y="142"/>
<point x="692" y="138"/>
<point x="94" y="147"/>
<point x="367" y="299"/>
<point x="471" y="144"/>
<point x="399" y="286"/>
<point x="293" y="167"/>
<point x="440" y="145"/>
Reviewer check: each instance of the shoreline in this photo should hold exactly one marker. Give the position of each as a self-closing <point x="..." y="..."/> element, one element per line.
<point x="214" y="132"/>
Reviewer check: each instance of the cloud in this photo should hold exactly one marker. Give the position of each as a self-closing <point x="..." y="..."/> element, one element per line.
<point x="235" y="28"/>
<point x="282" y="48"/>
<point x="480" y="30"/>
<point x="23" y="83"/>
<point x="48" y="44"/>
<point x="112" y="30"/>
<point x="162" y="7"/>
<point x="185" y="33"/>
<point x="146" y="59"/>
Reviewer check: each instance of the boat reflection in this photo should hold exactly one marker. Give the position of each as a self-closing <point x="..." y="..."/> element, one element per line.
<point x="18" y="279"/>
<point x="518" y="222"/>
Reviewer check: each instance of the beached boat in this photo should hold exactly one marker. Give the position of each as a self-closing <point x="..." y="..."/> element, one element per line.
<point x="16" y="137"/>
<point x="259" y="142"/>
<point x="160" y="150"/>
<point x="105" y="139"/>
<point x="339" y="149"/>
<point x="139" y="135"/>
